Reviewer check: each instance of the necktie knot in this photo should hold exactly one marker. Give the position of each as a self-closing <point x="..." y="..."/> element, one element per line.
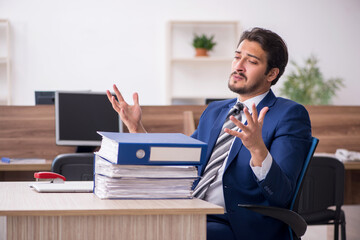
<point x="236" y="109"/>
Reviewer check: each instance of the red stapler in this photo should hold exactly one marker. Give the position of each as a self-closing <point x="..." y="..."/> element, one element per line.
<point x="49" y="176"/>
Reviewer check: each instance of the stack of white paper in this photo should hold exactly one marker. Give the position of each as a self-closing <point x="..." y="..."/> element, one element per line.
<point x="127" y="187"/>
<point x="109" y="169"/>
<point x="143" y="181"/>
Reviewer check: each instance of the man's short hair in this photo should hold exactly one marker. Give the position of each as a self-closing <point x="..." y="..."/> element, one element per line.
<point x="274" y="46"/>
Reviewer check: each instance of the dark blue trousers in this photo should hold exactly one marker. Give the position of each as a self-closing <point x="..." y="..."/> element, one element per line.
<point x="218" y="228"/>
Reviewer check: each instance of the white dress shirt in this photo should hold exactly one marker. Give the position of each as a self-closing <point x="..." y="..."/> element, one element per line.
<point x="215" y="192"/>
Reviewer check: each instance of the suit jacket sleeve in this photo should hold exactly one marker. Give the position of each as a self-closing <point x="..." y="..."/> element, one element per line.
<point x="288" y="139"/>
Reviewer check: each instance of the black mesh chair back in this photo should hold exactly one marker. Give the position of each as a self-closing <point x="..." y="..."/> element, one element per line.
<point x="74" y="166"/>
<point x="323" y="188"/>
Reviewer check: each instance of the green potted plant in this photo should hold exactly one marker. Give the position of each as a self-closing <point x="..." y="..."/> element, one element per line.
<point x="203" y="44"/>
<point x="306" y="85"/>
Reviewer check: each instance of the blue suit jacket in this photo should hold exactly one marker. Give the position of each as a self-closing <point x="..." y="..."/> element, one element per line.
<point x="287" y="135"/>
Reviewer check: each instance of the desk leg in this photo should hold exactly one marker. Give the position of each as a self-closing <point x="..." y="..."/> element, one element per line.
<point x="134" y="227"/>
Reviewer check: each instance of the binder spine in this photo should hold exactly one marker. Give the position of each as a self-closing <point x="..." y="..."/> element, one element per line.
<point x="146" y="154"/>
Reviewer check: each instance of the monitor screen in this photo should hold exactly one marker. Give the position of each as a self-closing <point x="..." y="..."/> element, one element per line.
<point x="79" y="115"/>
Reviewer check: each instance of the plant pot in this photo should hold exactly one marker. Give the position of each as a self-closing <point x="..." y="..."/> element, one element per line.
<point x="201" y="52"/>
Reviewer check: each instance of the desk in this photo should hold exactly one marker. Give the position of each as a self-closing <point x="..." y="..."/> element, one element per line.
<point x="25" y="172"/>
<point x="352" y="165"/>
<point x="32" y="215"/>
<point x="22" y="172"/>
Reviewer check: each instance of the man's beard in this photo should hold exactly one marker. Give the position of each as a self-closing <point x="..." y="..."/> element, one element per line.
<point x="243" y="90"/>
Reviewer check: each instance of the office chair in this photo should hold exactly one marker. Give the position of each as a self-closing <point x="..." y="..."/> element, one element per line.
<point x="297" y="224"/>
<point x="74" y="166"/>
<point x="323" y="188"/>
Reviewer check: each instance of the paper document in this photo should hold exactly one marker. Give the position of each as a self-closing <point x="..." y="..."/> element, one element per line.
<point x="66" y="187"/>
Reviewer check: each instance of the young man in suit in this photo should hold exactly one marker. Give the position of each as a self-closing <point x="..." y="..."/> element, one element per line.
<point x="257" y="142"/>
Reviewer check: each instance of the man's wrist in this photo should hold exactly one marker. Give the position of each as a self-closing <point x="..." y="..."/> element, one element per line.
<point x="258" y="156"/>
<point x="139" y="129"/>
<point x="261" y="172"/>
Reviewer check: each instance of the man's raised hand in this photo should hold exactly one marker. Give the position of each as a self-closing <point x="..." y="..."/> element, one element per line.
<point x="129" y="114"/>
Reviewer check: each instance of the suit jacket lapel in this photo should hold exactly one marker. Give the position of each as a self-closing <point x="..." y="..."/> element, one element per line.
<point x="268" y="101"/>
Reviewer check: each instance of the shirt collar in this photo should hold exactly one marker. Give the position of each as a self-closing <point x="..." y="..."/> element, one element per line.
<point x="257" y="99"/>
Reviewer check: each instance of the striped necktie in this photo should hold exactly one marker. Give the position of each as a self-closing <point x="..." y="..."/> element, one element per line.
<point x="219" y="153"/>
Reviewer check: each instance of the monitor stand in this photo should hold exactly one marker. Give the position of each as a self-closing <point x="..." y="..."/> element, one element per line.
<point x="86" y="149"/>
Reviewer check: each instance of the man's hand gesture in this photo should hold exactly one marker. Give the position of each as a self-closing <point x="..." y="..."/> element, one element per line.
<point x="251" y="134"/>
<point x="129" y="114"/>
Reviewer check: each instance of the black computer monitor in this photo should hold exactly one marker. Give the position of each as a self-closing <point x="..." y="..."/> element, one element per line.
<point x="44" y="97"/>
<point x="79" y="115"/>
<point x="209" y="100"/>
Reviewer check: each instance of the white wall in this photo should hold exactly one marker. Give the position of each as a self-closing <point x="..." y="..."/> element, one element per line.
<point x="89" y="44"/>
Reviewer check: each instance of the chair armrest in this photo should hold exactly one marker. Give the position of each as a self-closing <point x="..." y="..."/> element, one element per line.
<point x="291" y="218"/>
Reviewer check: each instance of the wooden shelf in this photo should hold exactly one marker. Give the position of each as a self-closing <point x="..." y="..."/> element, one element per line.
<point x="203" y="59"/>
<point x="193" y="79"/>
